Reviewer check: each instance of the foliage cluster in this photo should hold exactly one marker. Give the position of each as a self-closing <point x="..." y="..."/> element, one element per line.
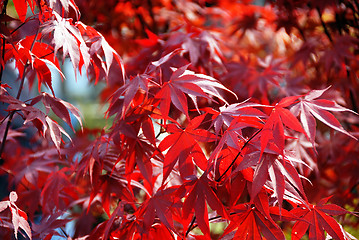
<point x="225" y="113"/>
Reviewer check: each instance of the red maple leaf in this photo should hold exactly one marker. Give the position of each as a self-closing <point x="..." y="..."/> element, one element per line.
<point x="183" y="147"/>
<point x="199" y="193"/>
<point x="319" y="218"/>
<point x="183" y="82"/>
<point x="252" y="221"/>
<point x="310" y="107"/>
<point x="273" y="129"/>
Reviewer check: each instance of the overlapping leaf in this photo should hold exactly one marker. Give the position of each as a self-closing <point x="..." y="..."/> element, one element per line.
<point x="60" y="107"/>
<point x="159" y="205"/>
<point x="200" y="193"/>
<point x="183" y="82"/>
<point x="183" y="147"/>
<point x="63" y="6"/>
<point x="19" y="217"/>
<point x="226" y="114"/>
<point x="250" y="223"/>
<point x="40" y="120"/>
<point x="310" y="108"/>
<point x="274" y="127"/>
<point x="103" y="56"/>
<point x="122" y="98"/>
<point x="317" y="219"/>
<point x="68" y="37"/>
<point x="38" y="55"/>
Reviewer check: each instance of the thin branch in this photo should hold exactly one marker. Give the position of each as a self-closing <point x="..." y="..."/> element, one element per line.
<point x="2" y="147"/>
<point x="161" y="129"/>
<point x="63" y="231"/>
<point x="234" y="160"/>
<point x="326" y="31"/>
<point x="209" y="220"/>
<point x="3" y="12"/>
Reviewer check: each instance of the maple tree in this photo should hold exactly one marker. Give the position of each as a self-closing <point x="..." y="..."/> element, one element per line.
<point x="228" y="120"/>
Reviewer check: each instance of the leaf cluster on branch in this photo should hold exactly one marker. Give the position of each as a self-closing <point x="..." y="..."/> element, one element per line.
<point x="229" y="120"/>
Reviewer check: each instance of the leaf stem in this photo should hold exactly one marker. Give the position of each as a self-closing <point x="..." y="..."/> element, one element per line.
<point x="234" y="160"/>
<point x="191" y="225"/>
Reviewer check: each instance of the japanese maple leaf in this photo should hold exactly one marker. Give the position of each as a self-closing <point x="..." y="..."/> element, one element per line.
<point x="285" y="180"/>
<point x="21" y="8"/>
<point x="318" y="218"/>
<point x="152" y="39"/>
<point x="39" y="56"/>
<point x="310" y="108"/>
<point x="19" y="218"/>
<point x="12" y="133"/>
<point x="59" y="185"/>
<point x="201" y="46"/>
<point x="304" y="54"/>
<point x="183" y="147"/>
<point x="132" y="229"/>
<point x="123" y="97"/>
<point x="279" y="118"/>
<point x="48" y="224"/>
<point x="37" y="163"/>
<point x="40" y="120"/>
<point x="139" y="154"/>
<point x="60" y="107"/>
<point x="109" y="185"/>
<point x="269" y="72"/>
<point x="183" y="82"/>
<point x="63" y="6"/>
<point x="232" y="136"/>
<point x="200" y="192"/>
<point x="227" y="113"/>
<point x="68" y="37"/>
<point x="43" y="73"/>
<point x="215" y="54"/>
<point x="100" y="51"/>
<point x="301" y="148"/>
<point x="250" y="223"/>
<point x="160" y="205"/>
<point x="337" y="56"/>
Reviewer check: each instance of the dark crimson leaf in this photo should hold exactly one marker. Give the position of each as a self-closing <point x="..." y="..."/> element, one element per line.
<point x="200" y="192"/>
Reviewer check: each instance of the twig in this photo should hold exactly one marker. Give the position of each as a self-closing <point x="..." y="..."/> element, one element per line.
<point x="234" y="160"/>
<point x="3" y="12"/>
<point x="2" y="147"/>
<point x="326" y="31"/>
<point x="193" y="226"/>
